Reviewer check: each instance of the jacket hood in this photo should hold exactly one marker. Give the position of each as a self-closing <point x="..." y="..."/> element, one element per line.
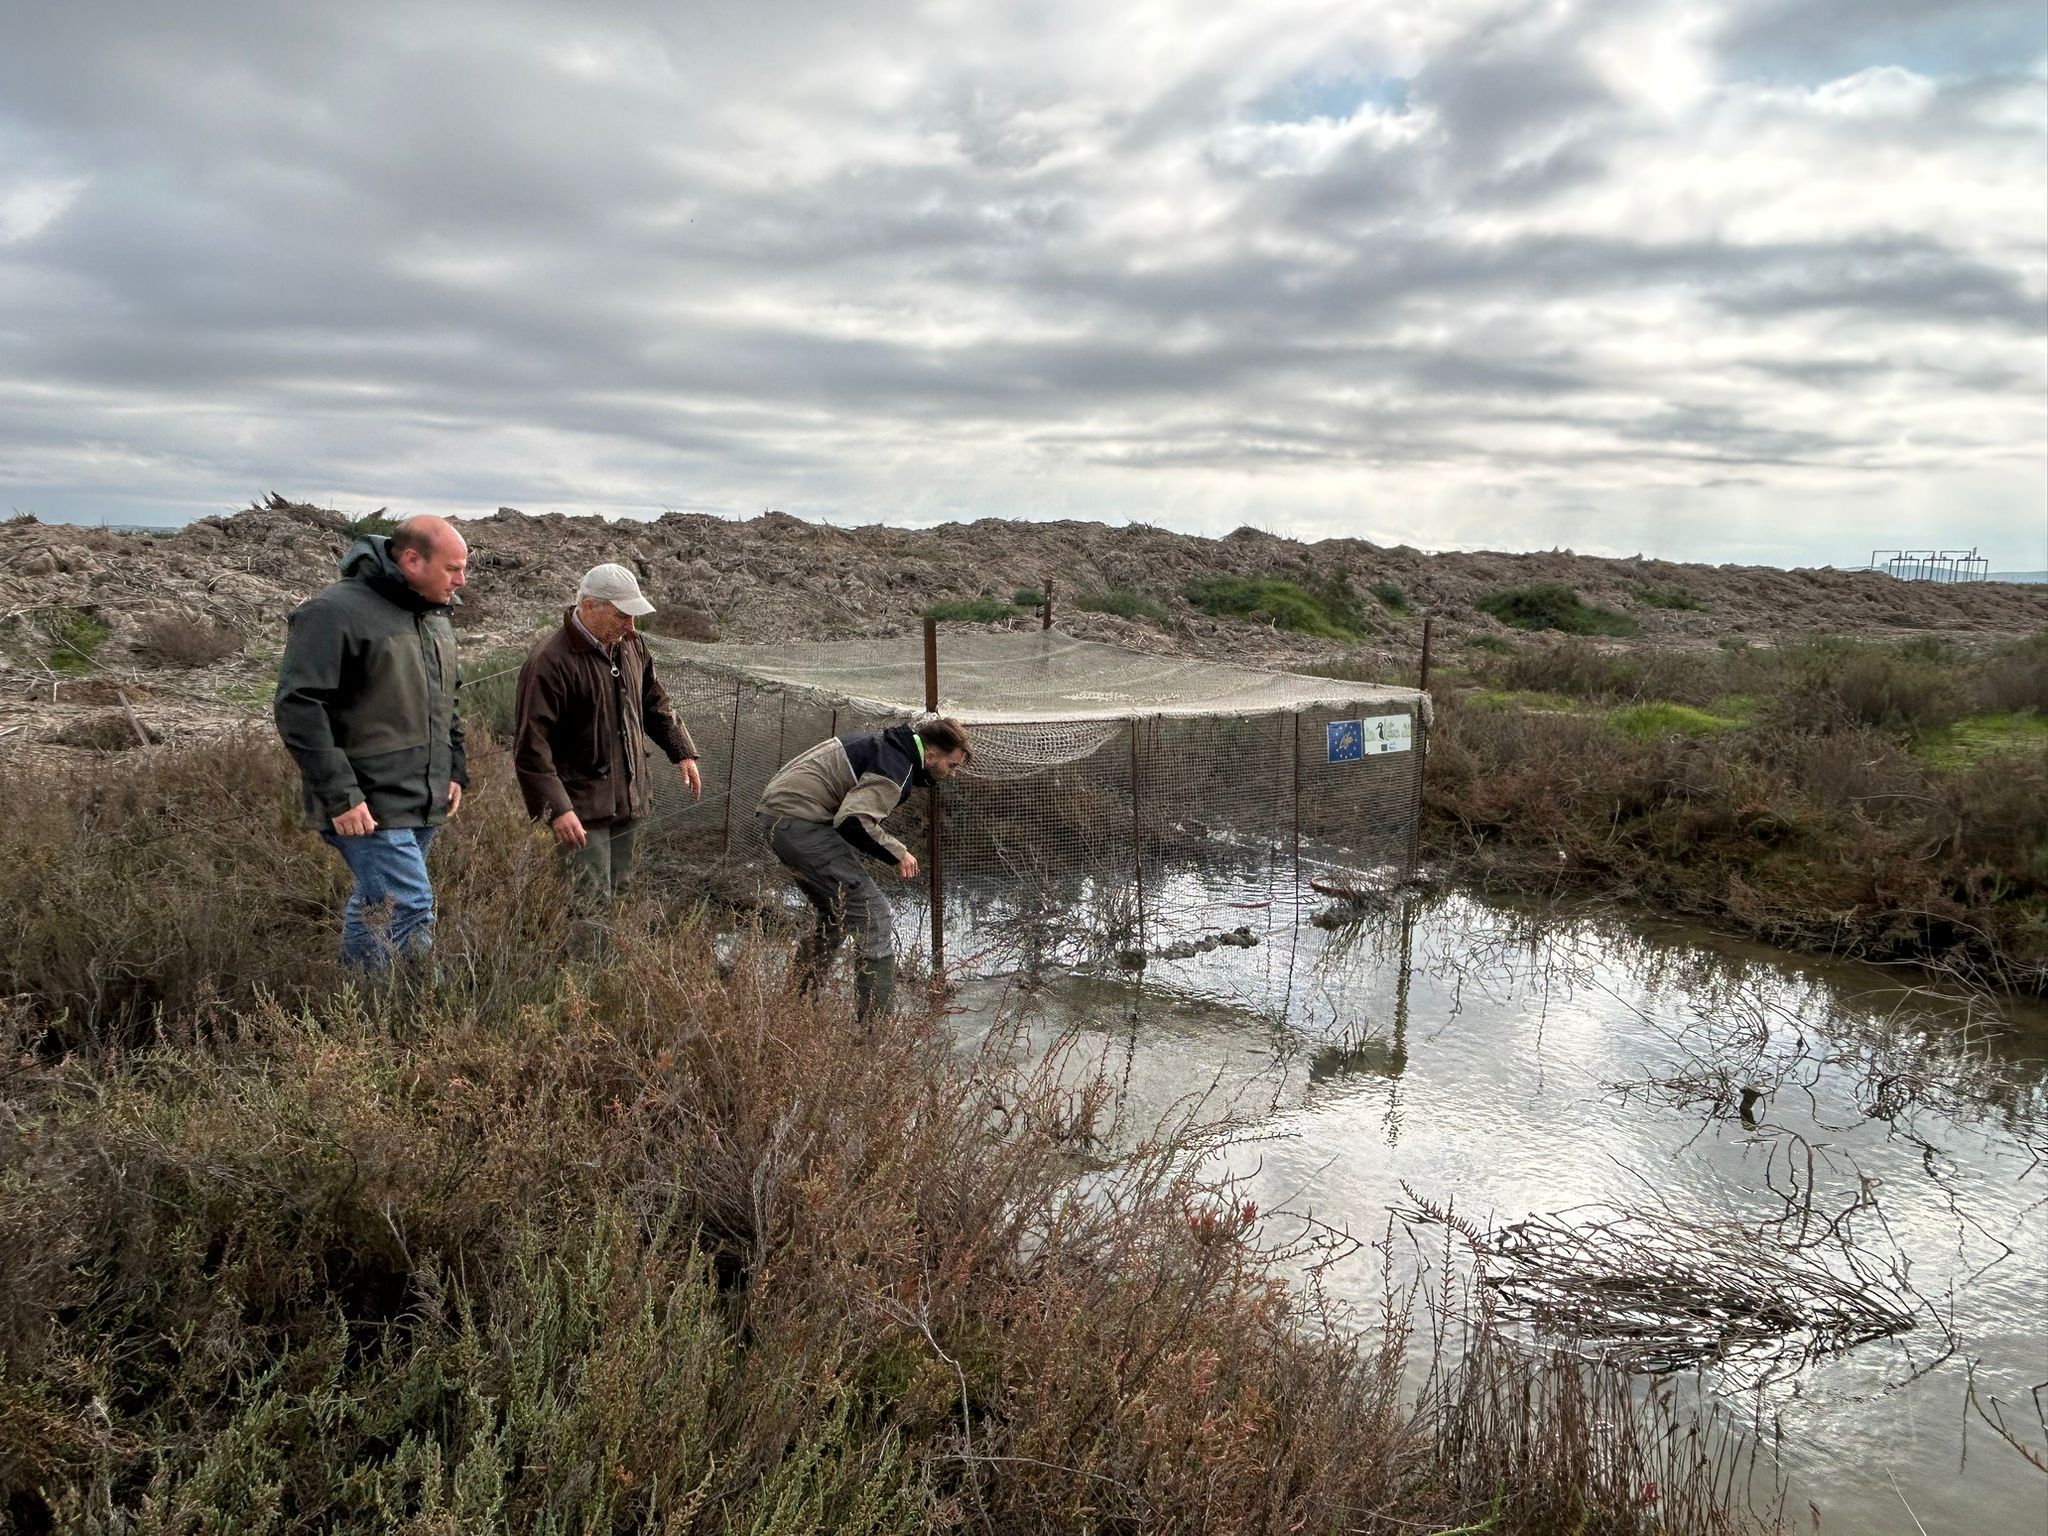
<point x="904" y="739"/>
<point x="369" y="560"/>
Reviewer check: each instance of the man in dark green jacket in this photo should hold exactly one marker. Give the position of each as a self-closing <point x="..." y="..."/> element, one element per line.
<point x="366" y="705"/>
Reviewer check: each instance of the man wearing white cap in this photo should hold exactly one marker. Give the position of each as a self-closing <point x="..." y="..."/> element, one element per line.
<point x="588" y="706"/>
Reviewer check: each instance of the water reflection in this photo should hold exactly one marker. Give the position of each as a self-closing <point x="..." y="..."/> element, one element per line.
<point x="1817" y="1187"/>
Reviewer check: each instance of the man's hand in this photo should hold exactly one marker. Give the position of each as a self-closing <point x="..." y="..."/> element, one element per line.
<point x="568" y="830"/>
<point x="356" y="821"/>
<point x="907" y="866"/>
<point x="693" y="778"/>
<point x="454" y="798"/>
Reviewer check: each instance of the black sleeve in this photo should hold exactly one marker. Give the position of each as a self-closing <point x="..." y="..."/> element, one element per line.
<point x="857" y="834"/>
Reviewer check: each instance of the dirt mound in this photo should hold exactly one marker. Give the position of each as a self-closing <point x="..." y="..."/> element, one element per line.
<point x="91" y="601"/>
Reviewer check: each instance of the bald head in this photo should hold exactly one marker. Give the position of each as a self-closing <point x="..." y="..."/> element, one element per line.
<point x="431" y="556"/>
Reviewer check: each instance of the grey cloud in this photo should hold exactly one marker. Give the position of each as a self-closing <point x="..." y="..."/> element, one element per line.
<point x="1728" y="436"/>
<point x="1809" y="40"/>
<point x="380" y="235"/>
<point x="1514" y="82"/>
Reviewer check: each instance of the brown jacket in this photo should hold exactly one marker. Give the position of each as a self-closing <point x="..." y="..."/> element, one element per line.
<point x="584" y="722"/>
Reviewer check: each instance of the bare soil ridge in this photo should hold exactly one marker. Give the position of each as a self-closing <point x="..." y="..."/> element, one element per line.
<point x="777" y="577"/>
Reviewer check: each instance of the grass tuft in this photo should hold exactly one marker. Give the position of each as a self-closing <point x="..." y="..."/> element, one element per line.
<point x="1647" y="722"/>
<point x="74" y="637"/>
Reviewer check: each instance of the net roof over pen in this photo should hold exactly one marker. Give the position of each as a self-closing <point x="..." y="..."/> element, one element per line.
<point x="996" y="677"/>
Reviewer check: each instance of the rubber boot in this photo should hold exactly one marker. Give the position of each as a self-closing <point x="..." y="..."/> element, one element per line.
<point x="874" y="986"/>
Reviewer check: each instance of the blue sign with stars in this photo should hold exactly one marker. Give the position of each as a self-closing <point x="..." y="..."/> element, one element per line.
<point x="1347" y="741"/>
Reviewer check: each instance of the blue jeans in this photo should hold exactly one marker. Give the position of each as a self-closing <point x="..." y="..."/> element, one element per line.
<point x="392" y="894"/>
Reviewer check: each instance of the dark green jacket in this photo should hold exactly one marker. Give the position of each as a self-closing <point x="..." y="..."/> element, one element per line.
<point x="366" y="696"/>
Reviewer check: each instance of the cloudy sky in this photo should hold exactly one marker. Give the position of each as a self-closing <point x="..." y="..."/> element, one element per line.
<point x="1712" y="279"/>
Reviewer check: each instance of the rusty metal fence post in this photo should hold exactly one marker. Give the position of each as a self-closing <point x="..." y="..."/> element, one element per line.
<point x="1421" y="750"/>
<point x="732" y="767"/>
<point x="935" y="842"/>
<point x="1137" y="837"/>
<point x="1297" y="805"/>
<point x="1420" y="746"/>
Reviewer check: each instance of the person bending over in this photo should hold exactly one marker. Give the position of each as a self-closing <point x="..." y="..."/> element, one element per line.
<point x="822" y="815"/>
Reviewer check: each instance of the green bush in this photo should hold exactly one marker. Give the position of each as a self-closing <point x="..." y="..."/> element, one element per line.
<point x="1028" y="597"/>
<point x="1552" y="605"/>
<point x="1391" y="597"/>
<point x="377" y="522"/>
<point x="1328" y="612"/>
<point x="1669" y="597"/>
<point x="1125" y="604"/>
<point x="75" y="637"/>
<point x="972" y="610"/>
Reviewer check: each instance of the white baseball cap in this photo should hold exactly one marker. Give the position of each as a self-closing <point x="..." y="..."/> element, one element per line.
<point x="614" y="584"/>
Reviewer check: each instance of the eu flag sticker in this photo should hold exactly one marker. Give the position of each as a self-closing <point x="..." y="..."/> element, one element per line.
<point x="1347" y="741"/>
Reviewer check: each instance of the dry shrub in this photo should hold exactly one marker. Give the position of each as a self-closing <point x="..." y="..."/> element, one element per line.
<point x="1829" y="836"/>
<point x="680" y="623"/>
<point x="1580" y="670"/>
<point x="2015" y="676"/>
<point x="1835" y="685"/>
<point x="182" y="642"/>
<point x="185" y="884"/>
<point x="87" y="690"/>
<point x="108" y="731"/>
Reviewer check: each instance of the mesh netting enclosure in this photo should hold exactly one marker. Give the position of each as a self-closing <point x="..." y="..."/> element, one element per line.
<point x="1121" y="807"/>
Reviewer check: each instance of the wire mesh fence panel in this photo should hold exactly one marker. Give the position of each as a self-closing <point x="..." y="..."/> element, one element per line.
<point x="1037" y="864"/>
<point x="1122" y="813"/>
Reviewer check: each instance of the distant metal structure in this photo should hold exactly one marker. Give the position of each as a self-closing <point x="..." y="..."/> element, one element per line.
<point x="1946" y="565"/>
